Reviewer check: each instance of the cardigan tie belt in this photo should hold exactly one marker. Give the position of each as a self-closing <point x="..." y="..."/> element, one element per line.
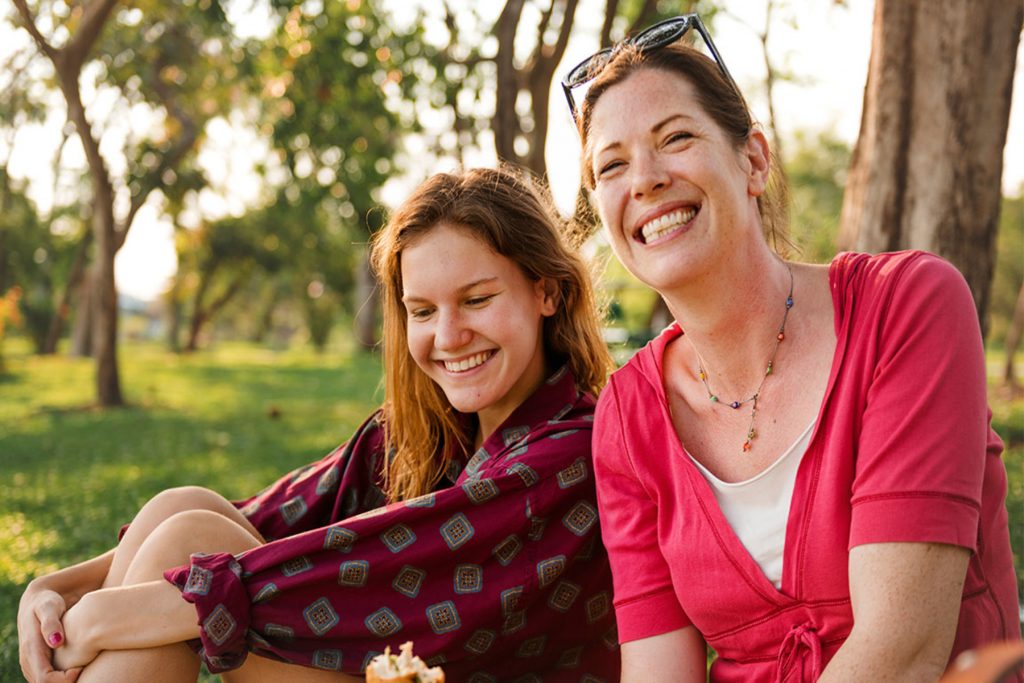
<point x="800" y="642"/>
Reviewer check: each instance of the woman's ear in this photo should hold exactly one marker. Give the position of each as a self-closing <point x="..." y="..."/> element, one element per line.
<point x="758" y="157"/>
<point x="547" y="293"/>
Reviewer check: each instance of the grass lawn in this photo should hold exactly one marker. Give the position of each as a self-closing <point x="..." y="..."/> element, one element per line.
<point x="233" y="418"/>
<point x="70" y="475"/>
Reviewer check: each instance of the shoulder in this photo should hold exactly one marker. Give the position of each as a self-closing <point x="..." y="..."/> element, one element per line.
<point x="897" y="283"/>
<point x="892" y="270"/>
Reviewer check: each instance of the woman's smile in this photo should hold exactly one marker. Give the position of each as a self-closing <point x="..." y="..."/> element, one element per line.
<point x="461" y="366"/>
<point x="655" y="229"/>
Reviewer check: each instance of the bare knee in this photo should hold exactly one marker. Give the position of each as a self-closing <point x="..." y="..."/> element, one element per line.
<point x="181" y="535"/>
<point x="182" y="498"/>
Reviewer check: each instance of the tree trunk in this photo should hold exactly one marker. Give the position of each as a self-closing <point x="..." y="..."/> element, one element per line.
<point x="81" y="333"/>
<point x="202" y="315"/>
<point x="926" y="169"/>
<point x="75" y="279"/>
<point x="104" y="299"/>
<point x="367" y="305"/>
<point x="1013" y="336"/>
<point x="506" y="121"/>
<point x="173" y="302"/>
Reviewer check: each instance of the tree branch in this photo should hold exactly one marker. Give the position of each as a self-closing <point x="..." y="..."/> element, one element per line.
<point x="94" y="17"/>
<point x="29" y="22"/>
<point x="611" y="8"/>
<point x="642" y="17"/>
<point x="169" y="160"/>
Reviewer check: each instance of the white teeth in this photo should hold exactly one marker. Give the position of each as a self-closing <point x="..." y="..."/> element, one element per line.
<point x="466" y="363"/>
<point x="662" y="225"/>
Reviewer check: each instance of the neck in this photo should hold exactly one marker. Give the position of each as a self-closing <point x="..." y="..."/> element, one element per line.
<point x="731" y="316"/>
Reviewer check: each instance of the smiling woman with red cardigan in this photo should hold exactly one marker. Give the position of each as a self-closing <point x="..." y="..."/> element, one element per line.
<point x="799" y="472"/>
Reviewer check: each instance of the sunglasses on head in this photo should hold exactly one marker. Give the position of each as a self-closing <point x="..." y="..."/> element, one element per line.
<point x="651" y="38"/>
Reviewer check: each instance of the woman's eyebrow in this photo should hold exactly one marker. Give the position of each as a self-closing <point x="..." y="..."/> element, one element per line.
<point x="475" y="283"/>
<point x="654" y="129"/>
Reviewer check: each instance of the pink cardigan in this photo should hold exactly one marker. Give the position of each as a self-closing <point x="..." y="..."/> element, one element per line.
<point x="902" y="451"/>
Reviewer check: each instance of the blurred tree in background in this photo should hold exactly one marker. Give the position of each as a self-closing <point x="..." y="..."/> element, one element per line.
<point x="332" y="101"/>
<point x="174" y="60"/>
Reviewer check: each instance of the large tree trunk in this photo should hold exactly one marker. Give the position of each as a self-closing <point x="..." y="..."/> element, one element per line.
<point x="927" y="166"/>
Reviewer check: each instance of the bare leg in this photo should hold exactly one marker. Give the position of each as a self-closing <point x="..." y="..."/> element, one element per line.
<point x="263" y="670"/>
<point x="159" y="509"/>
<point x="169" y="545"/>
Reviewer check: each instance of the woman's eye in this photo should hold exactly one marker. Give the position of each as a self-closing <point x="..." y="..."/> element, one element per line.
<point x="479" y="300"/>
<point x="420" y="313"/>
<point x="677" y="137"/>
<point x="608" y="167"/>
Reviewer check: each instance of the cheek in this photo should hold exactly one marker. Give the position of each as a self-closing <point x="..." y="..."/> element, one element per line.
<point x="418" y="341"/>
<point x="609" y="203"/>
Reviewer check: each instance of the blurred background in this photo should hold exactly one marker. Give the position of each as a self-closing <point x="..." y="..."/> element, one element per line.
<point x="187" y="190"/>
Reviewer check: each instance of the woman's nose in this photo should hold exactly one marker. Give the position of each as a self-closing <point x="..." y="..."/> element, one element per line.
<point x="451" y="332"/>
<point x="649" y="176"/>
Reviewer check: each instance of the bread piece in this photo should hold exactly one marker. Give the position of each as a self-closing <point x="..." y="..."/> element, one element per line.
<point x="401" y="668"/>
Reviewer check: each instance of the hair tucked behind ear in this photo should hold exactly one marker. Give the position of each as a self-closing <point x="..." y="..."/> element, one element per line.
<point x="508" y="213"/>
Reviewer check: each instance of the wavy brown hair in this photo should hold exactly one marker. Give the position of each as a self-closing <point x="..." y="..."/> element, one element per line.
<point x="509" y="213"/>
<point x="719" y="99"/>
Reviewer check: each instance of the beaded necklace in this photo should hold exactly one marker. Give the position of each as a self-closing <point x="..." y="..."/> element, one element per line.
<point x="735" y="405"/>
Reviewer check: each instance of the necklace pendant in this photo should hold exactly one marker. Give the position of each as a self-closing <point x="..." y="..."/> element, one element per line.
<point x="734" y="405"/>
<point x="714" y="399"/>
<point x="746" y="446"/>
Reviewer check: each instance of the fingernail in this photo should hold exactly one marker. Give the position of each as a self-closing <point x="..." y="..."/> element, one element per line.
<point x="55" y="639"/>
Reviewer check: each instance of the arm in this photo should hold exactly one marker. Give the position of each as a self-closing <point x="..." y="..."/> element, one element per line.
<point x="919" y="467"/>
<point x="43" y="605"/>
<point x="110" y="619"/>
<point x="675" y="657"/>
<point x="645" y="601"/>
<point x="73" y="582"/>
<point x="906" y="599"/>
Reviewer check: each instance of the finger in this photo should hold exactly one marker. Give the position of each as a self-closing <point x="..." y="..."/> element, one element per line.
<point x="35" y="661"/>
<point x="69" y="676"/>
<point x="53" y="631"/>
<point x="49" y="613"/>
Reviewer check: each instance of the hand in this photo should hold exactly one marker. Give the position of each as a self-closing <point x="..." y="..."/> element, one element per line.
<point x="78" y="649"/>
<point x="39" y="625"/>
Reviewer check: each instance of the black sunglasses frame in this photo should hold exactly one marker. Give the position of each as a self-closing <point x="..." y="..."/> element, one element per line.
<point x="653" y="37"/>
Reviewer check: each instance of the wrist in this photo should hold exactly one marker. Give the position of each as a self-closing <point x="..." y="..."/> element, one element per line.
<point x="82" y="625"/>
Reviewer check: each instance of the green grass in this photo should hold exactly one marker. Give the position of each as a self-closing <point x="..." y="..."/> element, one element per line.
<point x="70" y="475"/>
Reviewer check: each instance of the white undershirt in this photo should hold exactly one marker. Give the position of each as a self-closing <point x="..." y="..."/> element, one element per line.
<point x="758" y="509"/>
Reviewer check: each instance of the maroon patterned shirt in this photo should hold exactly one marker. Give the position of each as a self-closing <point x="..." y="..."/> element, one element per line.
<point x="499" y="574"/>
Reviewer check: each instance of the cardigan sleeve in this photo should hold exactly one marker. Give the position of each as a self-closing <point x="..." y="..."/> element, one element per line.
<point x="509" y="553"/>
<point x="645" y="602"/>
<point x="920" y="458"/>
